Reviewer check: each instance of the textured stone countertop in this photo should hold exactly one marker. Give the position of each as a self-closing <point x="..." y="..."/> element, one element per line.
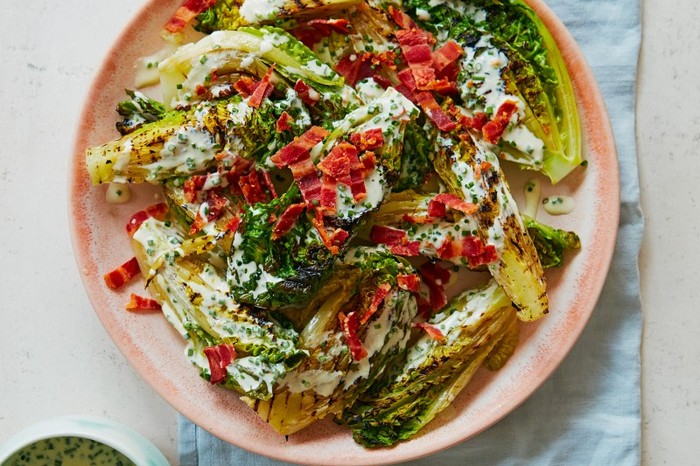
<point x="55" y="356"/>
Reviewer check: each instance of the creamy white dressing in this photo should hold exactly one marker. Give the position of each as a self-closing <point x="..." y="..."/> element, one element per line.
<point x="255" y="11"/>
<point x="190" y="149"/>
<point x="121" y="164"/>
<point x="346" y="207"/>
<point x="532" y="192"/>
<point x="319" y="68"/>
<point x="368" y="90"/>
<point x="118" y="193"/>
<point x="484" y="64"/>
<point x="558" y="205"/>
<point x="322" y="382"/>
<point x="522" y="139"/>
<point x="239" y="112"/>
<point x="252" y="372"/>
<point x="423" y="15"/>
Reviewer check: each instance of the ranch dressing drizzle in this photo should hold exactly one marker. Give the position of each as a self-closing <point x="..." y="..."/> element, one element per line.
<point x="558" y="205"/>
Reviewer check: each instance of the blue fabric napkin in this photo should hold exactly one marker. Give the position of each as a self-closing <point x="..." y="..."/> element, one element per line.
<point x="588" y="411"/>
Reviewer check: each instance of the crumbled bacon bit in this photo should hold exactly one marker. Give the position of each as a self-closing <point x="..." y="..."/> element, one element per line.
<point x="286" y="220"/>
<point x="192" y="185"/>
<point x="312" y="31"/>
<point x="410" y="249"/>
<point x="436" y="206"/>
<point x="186" y="13"/>
<point x="435" y="278"/>
<point x="431" y="108"/>
<point x="328" y="196"/>
<point x="380" y="234"/>
<point x="233" y="224"/>
<point x="477" y="253"/>
<point x="379" y="295"/>
<point x="306" y="93"/>
<point x="494" y="129"/>
<point x="122" y="274"/>
<point x="366" y="140"/>
<point x="139" y="303"/>
<point x="446" y="55"/>
<point x="262" y="90"/>
<point x="417" y="52"/>
<point x="409" y="282"/>
<point x="251" y="187"/>
<point x="432" y="331"/>
<point x="300" y="147"/>
<point x="156" y="211"/>
<point x="332" y="241"/>
<point x="219" y="357"/>
<point x="356" y="67"/>
<point x="351" y="325"/>
<point x="283" y="122"/>
<point x="245" y="86"/>
<point x="401" y="19"/>
<point x="214" y="208"/>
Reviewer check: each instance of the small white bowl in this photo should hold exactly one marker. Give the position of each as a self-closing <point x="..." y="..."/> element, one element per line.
<point x="117" y="436"/>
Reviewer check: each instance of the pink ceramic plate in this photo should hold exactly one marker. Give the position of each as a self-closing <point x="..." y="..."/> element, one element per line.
<point x="156" y="350"/>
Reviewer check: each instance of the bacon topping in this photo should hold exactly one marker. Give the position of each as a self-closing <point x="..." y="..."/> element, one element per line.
<point x="397" y="240"/>
<point x="314" y="30"/>
<point x="214" y="208"/>
<point x="283" y="122"/>
<point x="156" y="211"/>
<point x="451" y="201"/>
<point x="307" y="95"/>
<point x="366" y="140"/>
<point x="409" y="282"/>
<point x="122" y="274"/>
<point x="494" y="129"/>
<point x="328" y="196"/>
<point x="356" y="67"/>
<point x="300" y="147"/>
<point x="477" y="253"/>
<point x="287" y="219"/>
<point x="186" y="13"/>
<point x="446" y="55"/>
<point x="219" y="357"/>
<point x="139" y="303"/>
<point x="233" y="224"/>
<point x="377" y="299"/>
<point x="415" y="48"/>
<point x="351" y="325"/>
<point x="442" y="120"/>
<point x="401" y="19"/>
<point x="251" y="187"/>
<point x="435" y="278"/>
<point x="262" y="90"/>
<point x="432" y="331"/>
<point x="333" y="240"/>
<point x="245" y="86"/>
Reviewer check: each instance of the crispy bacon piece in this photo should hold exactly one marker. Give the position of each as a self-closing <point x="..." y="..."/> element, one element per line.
<point x="286" y="220"/>
<point x="214" y="208"/>
<point x="263" y="89"/>
<point x="283" y="122"/>
<point x="493" y="130"/>
<point x="307" y="95"/>
<point x="427" y="102"/>
<point x="368" y="161"/>
<point x="432" y="331"/>
<point x="356" y="67"/>
<point x="192" y="185"/>
<point x="300" y="147"/>
<point x="186" y="13"/>
<point x="435" y="278"/>
<point x="446" y="55"/>
<point x="233" y="224"/>
<point x="139" y="303"/>
<point x="312" y="31"/>
<point x="418" y="219"/>
<point x="267" y="179"/>
<point x="245" y="86"/>
<point x="409" y="282"/>
<point x="328" y="196"/>
<point x="417" y="52"/>
<point x="409" y="249"/>
<point x="156" y="211"/>
<point x="251" y="187"/>
<point x="380" y="234"/>
<point x="351" y="325"/>
<point x="219" y="357"/>
<point x="401" y="19"/>
<point x="337" y="163"/>
<point x="333" y="240"/>
<point x="477" y="253"/>
<point x="377" y="299"/>
<point x="451" y="201"/>
<point x="122" y="274"/>
<point x="367" y="140"/>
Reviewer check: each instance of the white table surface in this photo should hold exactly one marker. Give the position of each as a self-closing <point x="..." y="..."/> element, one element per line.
<point x="56" y="358"/>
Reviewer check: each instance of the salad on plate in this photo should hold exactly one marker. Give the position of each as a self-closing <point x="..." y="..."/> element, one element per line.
<point x="338" y="237"/>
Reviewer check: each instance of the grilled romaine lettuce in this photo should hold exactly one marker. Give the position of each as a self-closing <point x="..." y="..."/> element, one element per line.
<point x="195" y="300"/>
<point x="478" y="326"/>
<point x="359" y="323"/>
